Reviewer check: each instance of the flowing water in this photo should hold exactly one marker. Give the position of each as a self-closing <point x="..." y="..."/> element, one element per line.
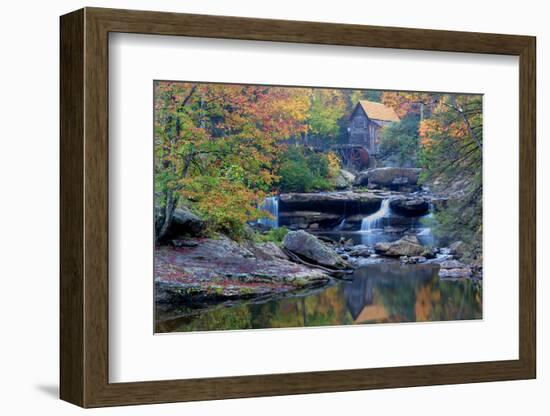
<point x="375" y="221"/>
<point x="378" y="293"/>
<point x="383" y="226"/>
<point x="271" y="206"/>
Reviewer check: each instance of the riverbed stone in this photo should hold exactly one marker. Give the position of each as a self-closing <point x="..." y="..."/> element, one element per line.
<point x="344" y="179"/>
<point x="429" y="253"/>
<point x="217" y="270"/>
<point x="309" y="247"/>
<point x="178" y="242"/>
<point x="406" y="246"/>
<point x="410" y="206"/>
<point x="359" y="250"/>
<point x="389" y="177"/>
<point x="457" y="249"/>
<point x="412" y="259"/>
<point x="269" y="251"/>
<point x="185" y="222"/>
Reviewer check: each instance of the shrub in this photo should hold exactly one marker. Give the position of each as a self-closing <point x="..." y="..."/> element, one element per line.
<point x="275" y="235"/>
<point x="305" y="171"/>
<point x="224" y="204"/>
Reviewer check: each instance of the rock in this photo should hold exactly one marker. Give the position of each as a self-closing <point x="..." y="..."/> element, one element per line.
<point x="184" y="222"/>
<point x="311" y="249"/>
<point x="350" y="177"/>
<point x="412" y="259"/>
<point x="429" y="253"/>
<point x="407" y="246"/>
<point x="218" y="270"/>
<point x="326" y="240"/>
<point x="346" y="244"/>
<point x="361" y="179"/>
<point x="392" y="178"/>
<point x="457" y="249"/>
<point x="344" y="179"/>
<point x="360" y="250"/>
<point x="394" y="230"/>
<point x="223" y="247"/>
<point x="477" y="268"/>
<point x="454" y="269"/>
<point x="297" y="226"/>
<point x="329" y="202"/>
<point x="184" y="243"/>
<point x="305" y="219"/>
<point x="269" y="251"/>
<point x="410" y="206"/>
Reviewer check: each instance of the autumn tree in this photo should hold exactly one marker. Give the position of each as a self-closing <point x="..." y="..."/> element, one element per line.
<point x="215" y="146"/>
<point x="450" y="134"/>
<point x="452" y="150"/>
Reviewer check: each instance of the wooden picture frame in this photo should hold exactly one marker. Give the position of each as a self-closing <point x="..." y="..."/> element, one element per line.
<point x="84" y="207"/>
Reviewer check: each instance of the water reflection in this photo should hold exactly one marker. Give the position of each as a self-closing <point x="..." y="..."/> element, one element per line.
<point x="378" y="293"/>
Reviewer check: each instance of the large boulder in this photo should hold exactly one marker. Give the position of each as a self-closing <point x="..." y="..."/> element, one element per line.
<point x="184" y="222"/>
<point x="410" y="206"/>
<point x="407" y="246"/>
<point x="457" y="249"/>
<point x="268" y="251"/>
<point x="344" y="179"/>
<point x="392" y="178"/>
<point x="310" y="248"/>
<point x="360" y="250"/>
<point x="336" y="202"/>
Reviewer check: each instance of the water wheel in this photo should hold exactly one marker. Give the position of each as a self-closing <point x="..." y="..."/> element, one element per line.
<point x="355" y="156"/>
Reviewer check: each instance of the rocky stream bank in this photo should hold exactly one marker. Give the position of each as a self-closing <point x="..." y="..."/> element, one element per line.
<point x="197" y="271"/>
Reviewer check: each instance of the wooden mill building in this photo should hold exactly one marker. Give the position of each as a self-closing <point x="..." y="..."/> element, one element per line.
<point x="366" y="121"/>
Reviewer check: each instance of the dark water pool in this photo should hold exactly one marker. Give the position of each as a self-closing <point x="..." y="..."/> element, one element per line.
<point x="378" y="293"/>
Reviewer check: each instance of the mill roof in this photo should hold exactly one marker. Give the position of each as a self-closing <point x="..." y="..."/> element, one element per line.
<point x="378" y="111"/>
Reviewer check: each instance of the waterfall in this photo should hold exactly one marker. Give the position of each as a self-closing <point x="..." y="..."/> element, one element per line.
<point x="271" y="205"/>
<point x="340" y="226"/>
<point x="425" y="234"/>
<point x="374" y="220"/>
<point x="430" y="213"/>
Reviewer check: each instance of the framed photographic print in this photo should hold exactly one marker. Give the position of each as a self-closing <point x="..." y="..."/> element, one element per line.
<point x="261" y="207"/>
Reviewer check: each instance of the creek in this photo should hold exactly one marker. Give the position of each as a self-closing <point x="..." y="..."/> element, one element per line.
<point x="375" y="293"/>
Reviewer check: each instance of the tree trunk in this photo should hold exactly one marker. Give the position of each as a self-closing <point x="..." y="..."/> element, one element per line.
<point x="168" y="213"/>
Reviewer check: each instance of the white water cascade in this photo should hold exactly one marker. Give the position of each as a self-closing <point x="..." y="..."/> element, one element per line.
<point x="271" y="205"/>
<point x="340" y="226"/>
<point x="425" y="234"/>
<point x="374" y="220"/>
